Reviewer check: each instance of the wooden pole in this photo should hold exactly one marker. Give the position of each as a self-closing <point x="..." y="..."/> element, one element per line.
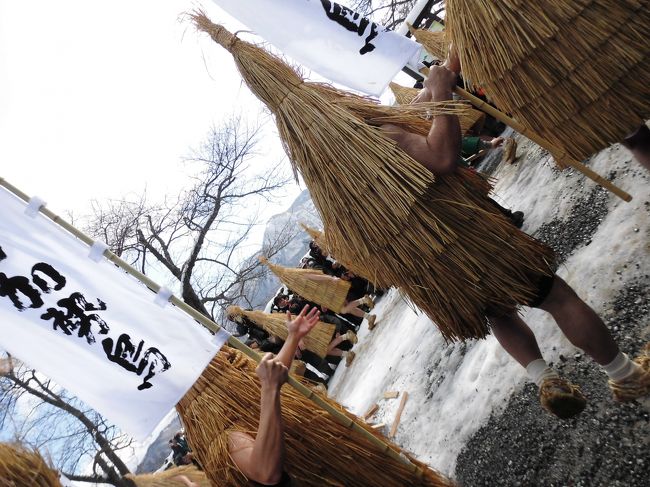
<point x="558" y="153"/>
<point x="339" y="417"/>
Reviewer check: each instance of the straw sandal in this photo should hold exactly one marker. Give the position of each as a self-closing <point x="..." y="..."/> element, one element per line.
<point x="638" y="384"/>
<point x="371" y="321"/>
<point x="367" y="300"/>
<point x="351" y="337"/>
<point x="561" y="398"/>
<point x="349" y="357"/>
<point x="509" y="150"/>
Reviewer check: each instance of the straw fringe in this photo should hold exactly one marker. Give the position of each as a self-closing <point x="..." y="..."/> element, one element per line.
<point x="435" y="42"/>
<point x="168" y="478"/>
<point x="20" y="467"/>
<point x="468" y="119"/>
<point x="386" y="218"/>
<point x="576" y="72"/>
<point x="318" y="447"/>
<point x="316" y="341"/>
<point x="313" y="285"/>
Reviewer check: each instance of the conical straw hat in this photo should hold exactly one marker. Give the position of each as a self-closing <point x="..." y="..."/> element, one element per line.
<point x="318" y="448"/>
<point x="276" y="324"/>
<point x="385" y="217"/>
<point x="20" y="467"/>
<point x="435" y="43"/>
<point x="169" y="478"/>
<point x="313" y="285"/>
<point x="405" y="95"/>
<point x="575" y="72"/>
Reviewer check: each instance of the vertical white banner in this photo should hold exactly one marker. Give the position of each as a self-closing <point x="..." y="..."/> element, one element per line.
<point x="328" y="38"/>
<point x="90" y="326"/>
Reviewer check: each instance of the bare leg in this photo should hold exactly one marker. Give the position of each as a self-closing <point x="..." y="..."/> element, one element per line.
<point x="352" y="308"/>
<point x="334" y="343"/>
<point x="579" y="323"/>
<point x="514" y="335"/>
<point x="639" y="144"/>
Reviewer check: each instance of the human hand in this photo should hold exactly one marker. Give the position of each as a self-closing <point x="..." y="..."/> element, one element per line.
<point x="496" y="142"/>
<point x="304" y="322"/>
<point x="453" y="61"/>
<point x="441" y="82"/>
<point x="272" y="372"/>
<point x="423" y="96"/>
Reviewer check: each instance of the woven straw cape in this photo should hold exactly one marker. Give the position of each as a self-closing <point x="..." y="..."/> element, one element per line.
<point x="20" y="467"/>
<point x="386" y="218"/>
<point x="320" y="450"/>
<point x="276" y="324"/>
<point x="313" y="285"/>
<point x="436" y="43"/>
<point x="577" y="72"/>
<point x="169" y="478"/>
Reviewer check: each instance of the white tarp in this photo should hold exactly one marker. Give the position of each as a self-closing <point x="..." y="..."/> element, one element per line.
<point x="90" y="326"/>
<point x="328" y="38"/>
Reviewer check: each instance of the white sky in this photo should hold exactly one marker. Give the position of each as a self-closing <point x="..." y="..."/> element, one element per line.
<point x="102" y="99"/>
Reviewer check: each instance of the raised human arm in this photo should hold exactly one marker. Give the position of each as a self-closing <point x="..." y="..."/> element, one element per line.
<point x="439" y="150"/>
<point x="297" y="329"/>
<point x="262" y="459"/>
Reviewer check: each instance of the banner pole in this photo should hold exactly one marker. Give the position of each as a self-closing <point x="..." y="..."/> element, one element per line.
<point x="337" y="415"/>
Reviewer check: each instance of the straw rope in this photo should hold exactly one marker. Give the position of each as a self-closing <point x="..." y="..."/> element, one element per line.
<point x="169" y="478"/>
<point x="313" y="285"/>
<point x="577" y="72"/>
<point x="385" y="217"/>
<point x="405" y="95"/>
<point x="316" y="341"/>
<point x="20" y="467"/>
<point x="320" y="451"/>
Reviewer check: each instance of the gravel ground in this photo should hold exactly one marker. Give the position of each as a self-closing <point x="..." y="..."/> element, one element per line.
<point x="608" y="444"/>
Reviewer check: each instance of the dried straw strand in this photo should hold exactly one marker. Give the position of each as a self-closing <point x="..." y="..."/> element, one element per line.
<point x="435" y="42"/>
<point x="20" y="467"/>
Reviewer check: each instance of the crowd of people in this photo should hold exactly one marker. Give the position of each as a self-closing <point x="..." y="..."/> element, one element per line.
<point x="359" y="304"/>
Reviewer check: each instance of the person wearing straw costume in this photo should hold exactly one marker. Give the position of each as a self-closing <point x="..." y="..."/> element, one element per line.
<point x="581" y="325"/>
<point x="326" y="291"/>
<point x="577" y="73"/>
<point x="458" y="260"/>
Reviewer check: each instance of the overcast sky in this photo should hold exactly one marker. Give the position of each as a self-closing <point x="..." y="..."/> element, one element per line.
<point x="99" y="99"/>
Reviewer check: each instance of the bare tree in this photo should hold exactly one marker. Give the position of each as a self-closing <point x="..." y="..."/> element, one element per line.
<point x="392" y="13"/>
<point x="200" y="238"/>
<point x="44" y="416"/>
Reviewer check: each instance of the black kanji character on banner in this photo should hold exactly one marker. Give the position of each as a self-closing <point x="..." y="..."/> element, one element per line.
<point x="49" y="271"/>
<point x="126" y="355"/>
<point x="17" y="286"/>
<point x="3" y="256"/>
<point x="352" y="21"/>
<point x="73" y="317"/>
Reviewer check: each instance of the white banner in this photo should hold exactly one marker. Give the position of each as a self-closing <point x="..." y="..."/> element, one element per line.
<point x="328" y="38"/>
<point x="90" y="326"/>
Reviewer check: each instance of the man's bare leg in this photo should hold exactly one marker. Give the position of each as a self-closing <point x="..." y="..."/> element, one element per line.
<point x="579" y="323"/>
<point x="639" y="144"/>
<point x="557" y="395"/>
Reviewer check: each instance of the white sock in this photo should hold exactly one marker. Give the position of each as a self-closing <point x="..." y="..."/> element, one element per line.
<point x="538" y="370"/>
<point x="620" y="368"/>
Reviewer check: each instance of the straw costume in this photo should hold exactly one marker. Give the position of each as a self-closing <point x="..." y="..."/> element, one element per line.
<point x="169" y="478"/>
<point x="276" y="324"/>
<point x="313" y="285"/>
<point x="320" y="451"/>
<point x="20" y="467"/>
<point x="577" y="72"/>
<point x="436" y="238"/>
